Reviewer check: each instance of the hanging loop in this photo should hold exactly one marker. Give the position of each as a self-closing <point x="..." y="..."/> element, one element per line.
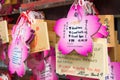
<point x="81" y="2"/>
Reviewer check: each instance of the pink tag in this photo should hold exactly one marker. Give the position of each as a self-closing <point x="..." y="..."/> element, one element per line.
<point x="50" y="54"/>
<point x="114" y="71"/>
<point x="17" y="54"/>
<point x="115" y="67"/>
<point x="18" y="49"/>
<point x="48" y="72"/>
<point x="76" y="31"/>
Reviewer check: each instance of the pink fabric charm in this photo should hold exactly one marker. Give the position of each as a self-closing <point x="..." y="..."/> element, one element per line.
<point x="36" y="62"/>
<point x="3" y="55"/>
<point x="76" y="31"/>
<point x="3" y="51"/>
<point x="1" y="48"/>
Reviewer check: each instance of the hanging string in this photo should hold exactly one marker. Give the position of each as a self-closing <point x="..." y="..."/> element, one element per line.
<point x="81" y="2"/>
<point x="88" y="6"/>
